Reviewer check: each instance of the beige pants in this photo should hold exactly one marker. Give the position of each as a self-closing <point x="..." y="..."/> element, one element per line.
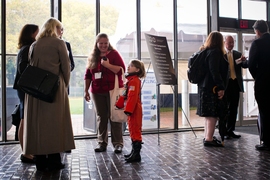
<point x="102" y="104"/>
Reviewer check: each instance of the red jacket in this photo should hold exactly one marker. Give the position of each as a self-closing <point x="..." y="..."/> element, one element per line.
<point x="106" y="83"/>
<point x="134" y="107"/>
<point x="134" y="94"/>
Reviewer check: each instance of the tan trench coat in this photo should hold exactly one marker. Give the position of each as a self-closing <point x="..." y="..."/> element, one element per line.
<point x="47" y="126"/>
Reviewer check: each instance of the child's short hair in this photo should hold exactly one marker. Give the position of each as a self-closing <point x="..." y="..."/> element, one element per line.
<point x="140" y="65"/>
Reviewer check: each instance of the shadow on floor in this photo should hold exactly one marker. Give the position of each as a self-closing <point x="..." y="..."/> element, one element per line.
<point x="252" y="129"/>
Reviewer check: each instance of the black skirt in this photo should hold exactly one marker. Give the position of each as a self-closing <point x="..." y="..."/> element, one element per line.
<point x="209" y="105"/>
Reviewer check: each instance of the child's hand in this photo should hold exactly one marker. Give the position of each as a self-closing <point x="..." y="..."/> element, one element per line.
<point x="120" y="102"/>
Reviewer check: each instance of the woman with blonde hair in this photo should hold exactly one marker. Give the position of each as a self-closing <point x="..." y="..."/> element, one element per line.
<point x="48" y="128"/>
<point x="211" y="88"/>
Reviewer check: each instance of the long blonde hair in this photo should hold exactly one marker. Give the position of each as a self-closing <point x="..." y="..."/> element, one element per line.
<point x="214" y="40"/>
<point x="49" y="28"/>
<point x="92" y="59"/>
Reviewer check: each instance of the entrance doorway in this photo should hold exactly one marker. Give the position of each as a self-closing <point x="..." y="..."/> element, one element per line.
<point x="248" y="109"/>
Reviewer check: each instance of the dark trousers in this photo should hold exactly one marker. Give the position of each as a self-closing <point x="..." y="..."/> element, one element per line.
<point x="232" y="93"/>
<point x="48" y="161"/>
<point x="263" y="98"/>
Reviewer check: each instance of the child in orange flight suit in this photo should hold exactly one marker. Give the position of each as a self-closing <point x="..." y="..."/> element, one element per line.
<point x="133" y="107"/>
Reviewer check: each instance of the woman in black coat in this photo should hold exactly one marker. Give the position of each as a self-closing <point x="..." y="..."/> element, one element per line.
<point x="211" y="88"/>
<point x="26" y="38"/>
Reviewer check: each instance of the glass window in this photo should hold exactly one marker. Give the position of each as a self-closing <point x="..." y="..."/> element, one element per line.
<point x="118" y="20"/>
<point x="192" y="32"/>
<point x="157" y="19"/>
<point x="250" y="106"/>
<point x="19" y="13"/>
<point x="248" y="8"/>
<point x="228" y="8"/>
<point x="79" y="21"/>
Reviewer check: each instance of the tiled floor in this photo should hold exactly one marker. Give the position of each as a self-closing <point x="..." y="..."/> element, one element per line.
<point x="178" y="155"/>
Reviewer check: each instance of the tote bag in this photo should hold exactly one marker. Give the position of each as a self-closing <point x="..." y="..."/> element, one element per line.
<point x="117" y="115"/>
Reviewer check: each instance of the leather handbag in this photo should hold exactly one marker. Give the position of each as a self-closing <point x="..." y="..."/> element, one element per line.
<point x="39" y="83"/>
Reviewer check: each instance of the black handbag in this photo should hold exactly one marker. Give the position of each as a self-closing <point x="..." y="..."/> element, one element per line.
<point x="16" y="119"/>
<point x="39" y="83"/>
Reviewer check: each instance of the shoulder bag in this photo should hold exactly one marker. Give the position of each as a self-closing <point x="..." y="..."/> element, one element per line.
<point x="117" y="115"/>
<point x="39" y="83"/>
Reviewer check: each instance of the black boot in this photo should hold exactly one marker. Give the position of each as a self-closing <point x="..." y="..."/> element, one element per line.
<point x="54" y="162"/>
<point x="41" y="162"/>
<point x="127" y="155"/>
<point x="135" y="156"/>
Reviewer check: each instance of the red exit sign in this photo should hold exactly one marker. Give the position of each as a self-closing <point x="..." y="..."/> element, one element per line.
<point x="243" y="24"/>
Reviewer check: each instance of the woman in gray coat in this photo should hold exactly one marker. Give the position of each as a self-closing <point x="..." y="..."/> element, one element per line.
<point x="48" y="128"/>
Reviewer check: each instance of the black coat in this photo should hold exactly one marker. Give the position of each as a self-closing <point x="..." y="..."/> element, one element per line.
<point x="259" y="67"/>
<point x="72" y="64"/>
<point x="218" y="68"/>
<point x="22" y="62"/>
<point x="259" y="60"/>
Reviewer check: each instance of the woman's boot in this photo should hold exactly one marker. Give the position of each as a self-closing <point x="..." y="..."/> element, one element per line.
<point x="41" y="162"/>
<point x="54" y="162"/>
<point x="135" y="156"/>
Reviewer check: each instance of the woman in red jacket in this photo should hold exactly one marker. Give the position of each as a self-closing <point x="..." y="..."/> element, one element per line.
<point x="103" y="63"/>
<point x="133" y="107"/>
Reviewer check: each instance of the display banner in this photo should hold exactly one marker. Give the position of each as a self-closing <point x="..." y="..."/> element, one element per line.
<point x="149" y="101"/>
<point x="161" y="59"/>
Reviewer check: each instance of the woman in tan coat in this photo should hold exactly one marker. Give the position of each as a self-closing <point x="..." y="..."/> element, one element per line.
<point x="48" y="128"/>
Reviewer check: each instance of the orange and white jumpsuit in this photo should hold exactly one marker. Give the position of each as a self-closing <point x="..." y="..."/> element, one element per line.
<point x="134" y="107"/>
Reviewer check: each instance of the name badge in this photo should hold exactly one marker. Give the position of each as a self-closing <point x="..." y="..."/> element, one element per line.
<point x="98" y="75"/>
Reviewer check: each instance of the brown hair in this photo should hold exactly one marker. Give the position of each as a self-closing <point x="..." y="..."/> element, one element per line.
<point x="214" y="40"/>
<point x="140" y="65"/>
<point x="25" y="37"/>
<point x="92" y="60"/>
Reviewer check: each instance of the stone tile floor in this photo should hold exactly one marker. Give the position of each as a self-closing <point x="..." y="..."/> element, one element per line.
<point x="178" y="155"/>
